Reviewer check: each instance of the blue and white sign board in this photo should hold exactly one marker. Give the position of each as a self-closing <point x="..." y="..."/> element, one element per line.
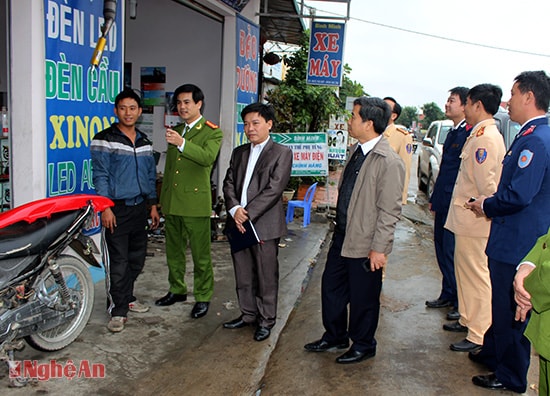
<point x="79" y="98"/>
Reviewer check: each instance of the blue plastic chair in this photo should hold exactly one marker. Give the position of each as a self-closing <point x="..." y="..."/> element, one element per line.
<point x="305" y="204"/>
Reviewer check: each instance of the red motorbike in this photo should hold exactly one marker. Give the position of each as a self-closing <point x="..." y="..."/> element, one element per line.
<point x="47" y="251"/>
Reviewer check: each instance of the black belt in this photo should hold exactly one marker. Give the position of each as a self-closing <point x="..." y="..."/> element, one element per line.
<point x="129" y="202"/>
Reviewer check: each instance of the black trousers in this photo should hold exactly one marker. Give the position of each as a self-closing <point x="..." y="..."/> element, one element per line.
<point x="345" y="281"/>
<point x="127" y="247"/>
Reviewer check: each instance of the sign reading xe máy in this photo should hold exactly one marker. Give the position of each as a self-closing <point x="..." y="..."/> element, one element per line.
<point x="326" y="51"/>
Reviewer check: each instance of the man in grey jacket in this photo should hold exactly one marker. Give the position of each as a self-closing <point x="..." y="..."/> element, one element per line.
<point x="368" y="208"/>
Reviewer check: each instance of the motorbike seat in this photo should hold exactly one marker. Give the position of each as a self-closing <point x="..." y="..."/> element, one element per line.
<point x="24" y="239"/>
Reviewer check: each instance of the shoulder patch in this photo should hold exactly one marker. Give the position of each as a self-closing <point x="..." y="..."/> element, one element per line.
<point x="481" y="155"/>
<point x="525" y="158"/>
<point x="529" y="130"/>
<point x="480" y="132"/>
<point x="211" y="125"/>
<point x="409" y="148"/>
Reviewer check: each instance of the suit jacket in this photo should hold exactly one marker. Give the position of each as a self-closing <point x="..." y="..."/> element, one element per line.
<point x="401" y="141"/>
<point x="448" y="170"/>
<point x="375" y="204"/>
<point x="538" y="285"/>
<point x="519" y="209"/>
<point x="479" y="174"/>
<point x="264" y="194"/>
<point x="186" y="186"/>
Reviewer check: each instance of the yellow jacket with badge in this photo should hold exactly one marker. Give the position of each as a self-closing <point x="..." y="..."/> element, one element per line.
<point x="538" y="286"/>
<point x="401" y="142"/>
<point x="479" y="174"/>
<point x="186" y="186"/>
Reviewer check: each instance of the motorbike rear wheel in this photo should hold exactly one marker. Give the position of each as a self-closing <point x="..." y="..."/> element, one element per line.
<point x="81" y="288"/>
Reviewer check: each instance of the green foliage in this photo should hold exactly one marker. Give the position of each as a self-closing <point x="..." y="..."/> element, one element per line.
<point x="408" y="115"/>
<point x="301" y="107"/>
<point x="432" y="112"/>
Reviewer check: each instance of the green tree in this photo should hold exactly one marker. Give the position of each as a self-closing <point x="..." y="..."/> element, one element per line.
<point x="432" y="112"/>
<point x="408" y="115"/>
<point x="300" y="106"/>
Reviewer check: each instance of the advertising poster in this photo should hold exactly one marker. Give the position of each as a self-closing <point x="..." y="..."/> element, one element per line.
<point x="309" y="152"/>
<point x="337" y="139"/>
<point x="248" y="67"/>
<point x="153" y="80"/>
<point x="79" y="97"/>
<point x="326" y="52"/>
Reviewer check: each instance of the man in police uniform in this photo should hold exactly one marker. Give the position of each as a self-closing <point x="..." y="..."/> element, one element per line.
<point x="186" y="199"/>
<point x="444" y="240"/>
<point x="479" y="174"/>
<point x="400" y="140"/>
<point x="520" y="214"/>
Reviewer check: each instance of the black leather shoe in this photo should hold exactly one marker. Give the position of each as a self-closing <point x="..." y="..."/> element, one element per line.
<point x="353" y="356"/>
<point x="322" y="345"/>
<point x="199" y="309"/>
<point x="465" y="346"/>
<point x="235" y="323"/>
<point x="262" y="333"/>
<point x="489" y="381"/>
<point x="453" y="315"/>
<point x="170" y="298"/>
<point x="456" y="327"/>
<point x="439" y="303"/>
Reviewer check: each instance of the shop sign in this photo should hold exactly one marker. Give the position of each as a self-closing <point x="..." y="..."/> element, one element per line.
<point x="326" y="52"/>
<point x="79" y="98"/>
<point x="248" y="67"/>
<point x="309" y="152"/>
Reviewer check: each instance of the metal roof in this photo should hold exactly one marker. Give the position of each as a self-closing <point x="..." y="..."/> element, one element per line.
<point x="281" y="21"/>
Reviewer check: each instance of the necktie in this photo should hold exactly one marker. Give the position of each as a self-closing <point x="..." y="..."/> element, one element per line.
<point x="185" y="130"/>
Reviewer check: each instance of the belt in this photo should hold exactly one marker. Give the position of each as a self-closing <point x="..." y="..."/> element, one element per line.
<point x="129" y="202"/>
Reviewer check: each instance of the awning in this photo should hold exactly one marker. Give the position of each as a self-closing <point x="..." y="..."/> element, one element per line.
<point x="281" y="21"/>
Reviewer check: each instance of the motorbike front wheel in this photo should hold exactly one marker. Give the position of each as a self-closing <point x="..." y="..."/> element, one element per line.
<point x="81" y="288"/>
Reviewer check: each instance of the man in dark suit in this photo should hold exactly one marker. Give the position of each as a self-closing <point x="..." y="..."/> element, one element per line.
<point x="444" y="240"/>
<point x="520" y="214"/>
<point x="257" y="175"/>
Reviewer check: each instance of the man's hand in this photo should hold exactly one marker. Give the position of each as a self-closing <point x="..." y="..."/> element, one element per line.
<point x="475" y="206"/>
<point x="241" y="215"/>
<point x="521" y="296"/>
<point x="173" y="137"/>
<point x="377" y="260"/>
<point x="155" y="218"/>
<point x="108" y="219"/>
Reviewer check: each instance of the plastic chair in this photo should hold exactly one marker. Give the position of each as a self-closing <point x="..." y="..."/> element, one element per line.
<point x="306" y="204"/>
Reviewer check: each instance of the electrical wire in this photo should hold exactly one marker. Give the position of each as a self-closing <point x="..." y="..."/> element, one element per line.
<point x="440" y="37"/>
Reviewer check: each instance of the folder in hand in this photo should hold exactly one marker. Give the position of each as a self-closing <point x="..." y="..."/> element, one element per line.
<point x="238" y="240"/>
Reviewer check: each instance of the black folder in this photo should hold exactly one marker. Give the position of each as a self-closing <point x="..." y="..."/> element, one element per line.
<point x="239" y="241"/>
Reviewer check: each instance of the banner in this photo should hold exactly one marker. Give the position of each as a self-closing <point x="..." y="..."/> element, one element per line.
<point x="309" y="152"/>
<point x="248" y="66"/>
<point x="337" y="139"/>
<point x="326" y="51"/>
<point x="79" y="98"/>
